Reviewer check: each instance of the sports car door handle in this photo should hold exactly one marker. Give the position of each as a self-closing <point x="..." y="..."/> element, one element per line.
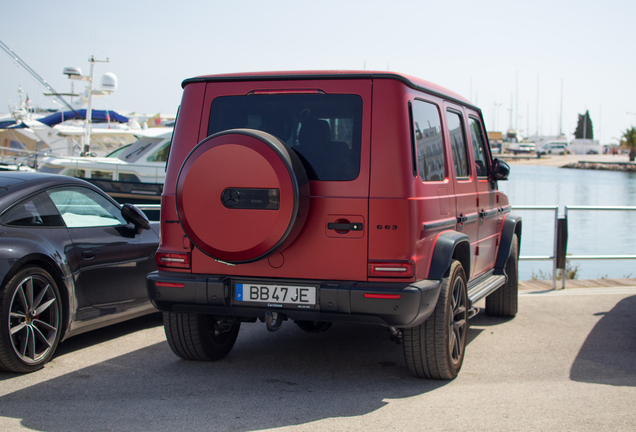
<point x="88" y="255"/>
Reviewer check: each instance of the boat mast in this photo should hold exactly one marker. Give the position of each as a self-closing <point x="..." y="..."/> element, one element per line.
<point x="41" y="80"/>
<point x="561" y="112"/>
<point x="89" y="110"/>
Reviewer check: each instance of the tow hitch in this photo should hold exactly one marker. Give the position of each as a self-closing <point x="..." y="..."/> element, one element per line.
<point x="273" y="320"/>
<point x="396" y="335"/>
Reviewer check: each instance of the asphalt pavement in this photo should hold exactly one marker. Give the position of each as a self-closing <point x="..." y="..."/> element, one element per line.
<point x="567" y="362"/>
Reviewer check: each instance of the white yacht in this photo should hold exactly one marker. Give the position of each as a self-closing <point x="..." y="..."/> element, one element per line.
<point x="28" y="133"/>
<point x="132" y="172"/>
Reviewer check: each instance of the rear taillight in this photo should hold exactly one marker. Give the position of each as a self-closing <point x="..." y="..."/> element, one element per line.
<point x="391" y="269"/>
<point x="169" y="284"/>
<point x="383" y="296"/>
<point x="174" y="260"/>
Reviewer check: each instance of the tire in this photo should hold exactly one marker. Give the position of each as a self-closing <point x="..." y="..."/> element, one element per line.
<point x="435" y="349"/>
<point x="200" y="337"/>
<point x="314" y="326"/>
<point x="31" y="319"/>
<point x="504" y="301"/>
<point x="256" y="196"/>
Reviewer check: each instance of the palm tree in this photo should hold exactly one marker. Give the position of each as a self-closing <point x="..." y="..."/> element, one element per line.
<point x="629" y="140"/>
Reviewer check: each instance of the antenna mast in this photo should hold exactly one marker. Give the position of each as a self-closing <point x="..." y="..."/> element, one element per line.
<point x="34" y="74"/>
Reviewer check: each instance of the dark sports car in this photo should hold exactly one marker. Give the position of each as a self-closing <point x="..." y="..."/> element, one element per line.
<point x="71" y="260"/>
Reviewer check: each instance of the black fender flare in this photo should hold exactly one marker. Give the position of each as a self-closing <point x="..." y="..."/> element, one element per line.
<point x="449" y="245"/>
<point x="511" y="226"/>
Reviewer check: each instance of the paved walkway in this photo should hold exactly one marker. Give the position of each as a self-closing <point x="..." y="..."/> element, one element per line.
<point x="562" y="160"/>
<point x="576" y="283"/>
<point x="564" y="363"/>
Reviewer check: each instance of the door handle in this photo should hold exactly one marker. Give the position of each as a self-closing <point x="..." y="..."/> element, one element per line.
<point x="88" y="255"/>
<point x="345" y="226"/>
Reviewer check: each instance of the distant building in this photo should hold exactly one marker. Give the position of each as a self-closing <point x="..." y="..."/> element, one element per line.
<point x="585" y="146"/>
<point x="496" y="141"/>
<point x="541" y="140"/>
<point x="495" y="136"/>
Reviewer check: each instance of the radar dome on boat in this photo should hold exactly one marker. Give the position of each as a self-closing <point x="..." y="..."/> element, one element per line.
<point x="72" y="71"/>
<point x="109" y="82"/>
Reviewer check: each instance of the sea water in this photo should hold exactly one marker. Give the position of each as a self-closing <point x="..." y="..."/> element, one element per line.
<point x="589" y="232"/>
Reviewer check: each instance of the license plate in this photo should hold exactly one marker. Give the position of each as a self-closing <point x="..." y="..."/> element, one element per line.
<point x="276" y="295"/>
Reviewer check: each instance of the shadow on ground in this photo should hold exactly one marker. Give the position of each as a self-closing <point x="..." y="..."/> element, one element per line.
<point x="269" y="380"/>
<point x="98" y="336"/>
<point x="608" y="355"/>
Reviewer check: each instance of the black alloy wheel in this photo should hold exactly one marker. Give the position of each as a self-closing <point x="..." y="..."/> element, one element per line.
<point x="30" y="326"/>
<point x="504" y="301"/>
<point x="458" y="321"/>
<point x="435" y="348"/>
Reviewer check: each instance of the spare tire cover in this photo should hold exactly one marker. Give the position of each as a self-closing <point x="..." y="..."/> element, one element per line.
<point x="241" y="195"/>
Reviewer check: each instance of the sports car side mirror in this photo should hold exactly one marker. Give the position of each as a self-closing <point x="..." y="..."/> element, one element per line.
<point x="500" y="170"/>
<point x="135" y="216"/>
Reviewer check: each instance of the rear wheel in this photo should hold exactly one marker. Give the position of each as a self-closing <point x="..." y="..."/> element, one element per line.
<point x="200" y="337"/>
<point x="435" y="349"/>
<point x="31" y="316"/>
<point x="504" y="301"/>
<point x="314" y="326"/>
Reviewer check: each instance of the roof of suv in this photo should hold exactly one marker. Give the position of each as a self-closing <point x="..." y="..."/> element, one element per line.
<point x="410" y="81"/>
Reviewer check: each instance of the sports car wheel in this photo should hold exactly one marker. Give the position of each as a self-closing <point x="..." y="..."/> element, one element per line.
<point x="435" y="349"/>
<point x="30" y="326"/>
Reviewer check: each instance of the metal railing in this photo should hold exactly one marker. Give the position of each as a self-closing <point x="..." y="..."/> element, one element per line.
<point x="555" y="255"/>
<point x="18" y="157"/>
<point x="111" y="171"/>
<point x="552" y="257"/>
<point x="555" y="248"/>
<point x="148" y="206"/>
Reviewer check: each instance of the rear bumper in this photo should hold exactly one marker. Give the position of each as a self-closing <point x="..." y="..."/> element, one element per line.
<point x="335" y="301"/>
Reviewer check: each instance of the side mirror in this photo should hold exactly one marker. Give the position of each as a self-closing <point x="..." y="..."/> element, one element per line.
<point x="500" y="170"/>
<point x="135" y="216"/>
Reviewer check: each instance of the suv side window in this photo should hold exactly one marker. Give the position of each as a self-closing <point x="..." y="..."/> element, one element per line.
<point x="458" y="144"/>
<point x="479" y="148"/>
<point x="427" y="131"/>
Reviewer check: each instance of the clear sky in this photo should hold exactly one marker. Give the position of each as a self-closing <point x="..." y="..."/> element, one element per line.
<point x="490" y="51"/>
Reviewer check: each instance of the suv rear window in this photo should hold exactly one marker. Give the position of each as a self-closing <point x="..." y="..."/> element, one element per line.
<point x="323" y="129"/>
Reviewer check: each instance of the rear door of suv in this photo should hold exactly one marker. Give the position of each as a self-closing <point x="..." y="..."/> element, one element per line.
<point x="327" y="123"/>
<point x="487" y="198"/>
<point x="464" y="180"/>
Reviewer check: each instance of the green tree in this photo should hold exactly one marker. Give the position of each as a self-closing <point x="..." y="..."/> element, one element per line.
<point x="629" y="140"/>
<point x="584" y="128"/>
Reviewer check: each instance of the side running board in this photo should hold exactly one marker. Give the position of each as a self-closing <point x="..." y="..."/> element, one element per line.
<point x="481" y="287"/>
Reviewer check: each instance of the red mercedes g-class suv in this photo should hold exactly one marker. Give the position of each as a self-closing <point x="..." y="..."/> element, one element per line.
<point x="323" y="197"/>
